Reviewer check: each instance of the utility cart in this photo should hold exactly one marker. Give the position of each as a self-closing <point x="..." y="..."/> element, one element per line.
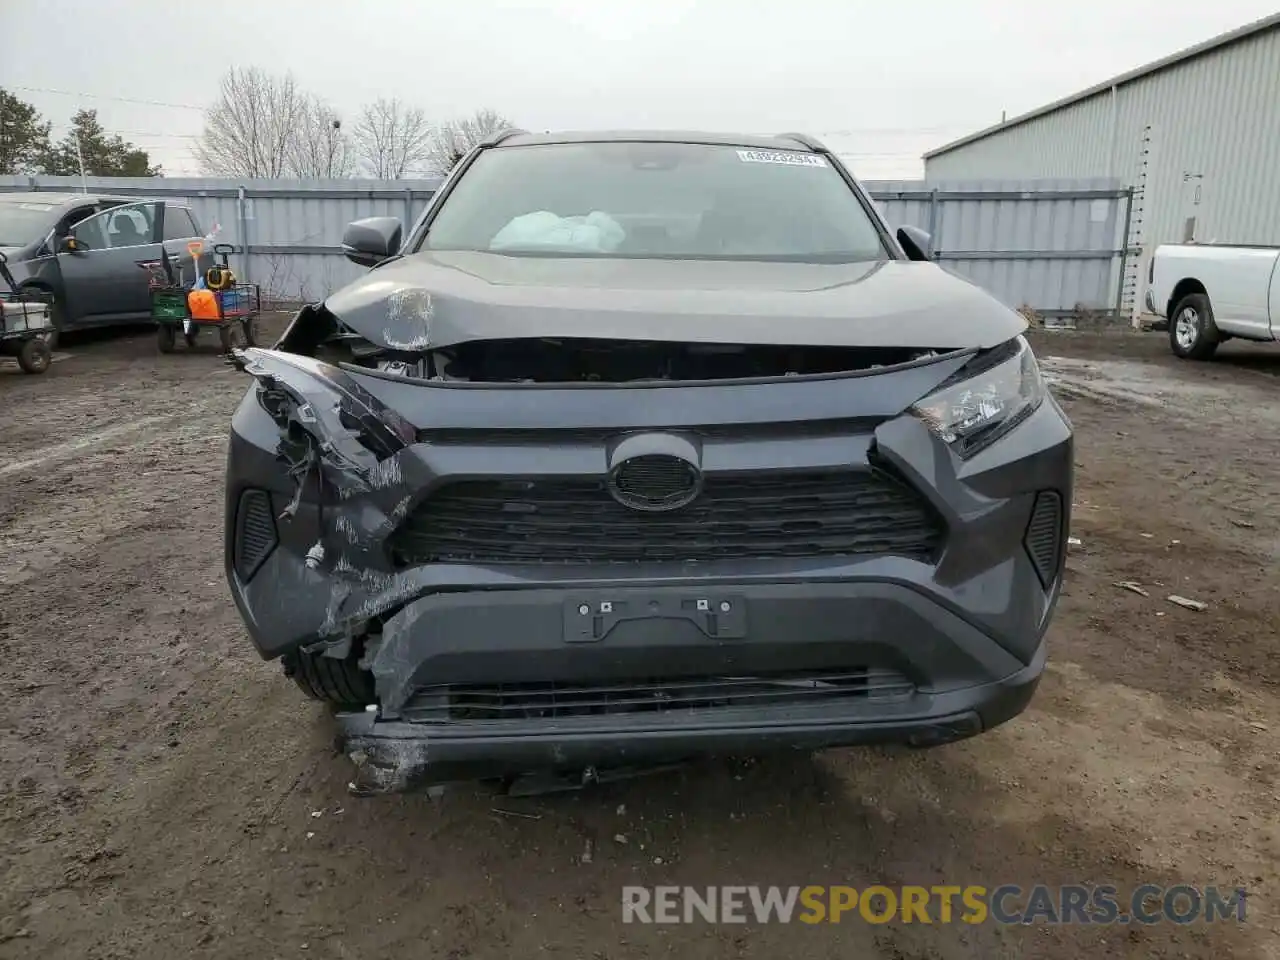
<point x="215" y="301"/>
<point x="25" y="323"/>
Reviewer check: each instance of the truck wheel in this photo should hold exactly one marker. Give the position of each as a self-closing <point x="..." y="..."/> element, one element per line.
<point x="34" y="356"/>
<point x="165" y="337"/>
<point x="1192" y="333"/>
<point x="339" y="682"/>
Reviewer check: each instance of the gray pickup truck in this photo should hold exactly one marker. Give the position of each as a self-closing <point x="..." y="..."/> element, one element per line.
<point x="88" y="251"/>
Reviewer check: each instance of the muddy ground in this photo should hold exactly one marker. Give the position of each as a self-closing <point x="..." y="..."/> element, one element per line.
<point x="164" y="793"/>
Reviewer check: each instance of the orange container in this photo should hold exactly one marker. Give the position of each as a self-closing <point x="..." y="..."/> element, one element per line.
<point x="203" y="305"/>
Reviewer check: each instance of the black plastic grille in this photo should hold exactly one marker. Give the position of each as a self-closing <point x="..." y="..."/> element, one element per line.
<point x="255" y="532"/>
<point x="1044" y="535"/>
<point x="548" y="701"/>
<point x="755" y="516"/>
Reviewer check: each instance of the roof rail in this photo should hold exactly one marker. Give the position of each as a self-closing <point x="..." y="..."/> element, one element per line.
<point x="496" y="138"/>
<point x="804" y="140"/>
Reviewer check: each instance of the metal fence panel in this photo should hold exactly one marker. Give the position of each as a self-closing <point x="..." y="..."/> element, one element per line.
<point x="1053" y="245"/>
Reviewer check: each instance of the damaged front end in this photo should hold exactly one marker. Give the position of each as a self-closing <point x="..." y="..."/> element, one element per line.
<point x="404" y="349"/>
<point x="451" y="539"/>
<point x="337" y="448"/>
<point x="341" y="452"/>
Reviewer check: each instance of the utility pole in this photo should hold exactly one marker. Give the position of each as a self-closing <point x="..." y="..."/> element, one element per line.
<point x="333" y="145"/>
<point x="84" y="182"/>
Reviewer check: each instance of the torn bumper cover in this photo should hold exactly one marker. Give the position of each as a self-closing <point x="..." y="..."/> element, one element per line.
<point x="491" y="664"/>
<point x="783" y="694"/>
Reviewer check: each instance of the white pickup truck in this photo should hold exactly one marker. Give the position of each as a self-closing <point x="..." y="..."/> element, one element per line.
<point x="1210" y="292"/>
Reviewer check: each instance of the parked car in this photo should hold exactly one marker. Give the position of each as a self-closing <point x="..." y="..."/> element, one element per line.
<point x="642" y="447"/>
<point x="87" y="251"/>
<point x="1207" y="293"/>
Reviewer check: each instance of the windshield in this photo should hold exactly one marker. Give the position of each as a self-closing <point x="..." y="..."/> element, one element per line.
<point x="21" y="223"/>
<point x="655" y="200"/>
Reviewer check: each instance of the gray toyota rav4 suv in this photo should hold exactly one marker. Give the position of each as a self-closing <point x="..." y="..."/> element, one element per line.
<point x="639" y="447"/>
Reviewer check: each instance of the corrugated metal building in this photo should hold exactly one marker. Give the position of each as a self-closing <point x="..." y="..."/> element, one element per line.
<point x="1196" y="134"/>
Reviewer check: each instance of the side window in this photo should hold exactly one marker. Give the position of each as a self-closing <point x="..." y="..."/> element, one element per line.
<point x="177" y="224"/>
<point x="90" y="233"/>
<point x="128" y="225"/>
<point x="131" y="225"/>
<point x="71" y="218"/>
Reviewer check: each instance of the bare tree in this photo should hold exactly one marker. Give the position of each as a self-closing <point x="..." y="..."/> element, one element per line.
<point x="392" y="139"/>
<point x="318" y="147"/>
<point x="251" y="129"/>
<point x="451" y="141"/>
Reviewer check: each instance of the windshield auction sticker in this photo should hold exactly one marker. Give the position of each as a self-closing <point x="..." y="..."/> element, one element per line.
<point x="785" y="157"/>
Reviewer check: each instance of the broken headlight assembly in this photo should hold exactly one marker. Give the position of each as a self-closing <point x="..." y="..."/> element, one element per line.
<point x="979" y="407"/>
<point x="345" y="422"/>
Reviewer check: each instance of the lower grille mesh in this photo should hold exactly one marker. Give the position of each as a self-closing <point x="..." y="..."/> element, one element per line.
<point x="487" y="703"/>
<point x="1044" y="535"/>
<point x="255" y="532"/>
<point x="757" y="516"/>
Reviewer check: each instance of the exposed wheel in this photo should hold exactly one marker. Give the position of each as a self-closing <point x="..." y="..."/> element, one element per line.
<point x="192" y="336"/>
<point x="57" y="315"/>
<point x="165" y="337"/>
<point x="1192" y="333"/>
<point x="34" y="356"/>
<point x="227" y="337"/>
<point x="249" y="331"/>
<point x="339" y="682"/>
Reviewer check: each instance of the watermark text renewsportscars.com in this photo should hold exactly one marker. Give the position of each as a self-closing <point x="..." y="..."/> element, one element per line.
<point x="969" y="904"/>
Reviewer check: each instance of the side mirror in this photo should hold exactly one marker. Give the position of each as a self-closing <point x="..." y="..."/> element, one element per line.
<point x="916" y="243"/>
<point x="370" y="241"/>
<point x="68" y="244"/>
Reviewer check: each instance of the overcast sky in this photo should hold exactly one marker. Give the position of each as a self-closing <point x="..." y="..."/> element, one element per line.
<point x="880" y="82"/>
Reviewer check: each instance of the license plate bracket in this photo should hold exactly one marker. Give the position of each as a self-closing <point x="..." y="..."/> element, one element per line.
<point x="590" y="617"/>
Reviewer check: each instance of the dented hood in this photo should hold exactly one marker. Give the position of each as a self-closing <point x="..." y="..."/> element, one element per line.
<point x="437" y="299"/>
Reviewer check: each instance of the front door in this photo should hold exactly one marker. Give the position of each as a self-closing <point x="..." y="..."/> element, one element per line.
<point x="102" y="279"/>
<point x="179" y="234"/>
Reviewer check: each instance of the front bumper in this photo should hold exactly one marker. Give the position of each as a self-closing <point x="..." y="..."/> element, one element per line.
<point x="928" y="677"/>
<point x="498" y="668"/>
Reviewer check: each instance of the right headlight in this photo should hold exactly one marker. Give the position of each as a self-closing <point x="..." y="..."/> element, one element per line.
<point x="981" y="406"/>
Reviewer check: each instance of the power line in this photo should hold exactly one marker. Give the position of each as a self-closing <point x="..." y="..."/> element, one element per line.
<point x="196" y="136"/>
<point x="191" y="137"/>
<point x="852" y="132"/>
<point x="102" y="96"/>
<point x="894" y="131"/>
<point x="136" y="133"/>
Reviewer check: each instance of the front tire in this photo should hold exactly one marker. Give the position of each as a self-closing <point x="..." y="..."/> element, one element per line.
<point x="1192" y="333"/>
<point x="340" y="683"/>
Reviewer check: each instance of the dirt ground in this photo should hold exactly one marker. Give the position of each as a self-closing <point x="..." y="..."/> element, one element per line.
<point x="165" y="793"/>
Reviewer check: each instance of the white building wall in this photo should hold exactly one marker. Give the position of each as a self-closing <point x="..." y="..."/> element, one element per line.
<point x="1214" y="125"/>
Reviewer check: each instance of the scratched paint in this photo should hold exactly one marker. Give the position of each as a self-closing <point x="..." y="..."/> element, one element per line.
<point x="385" y="473"/>
<point x="409" y="317"/>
